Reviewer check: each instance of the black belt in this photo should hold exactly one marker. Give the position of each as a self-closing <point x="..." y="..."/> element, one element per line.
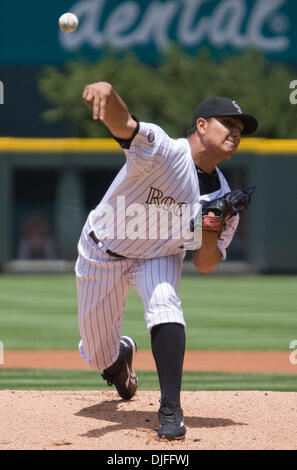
<point x="111" y="253"/>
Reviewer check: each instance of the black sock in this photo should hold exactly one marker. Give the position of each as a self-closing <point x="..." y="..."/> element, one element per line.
<point x="168" y="346"/>
<point x="116" y="367"/>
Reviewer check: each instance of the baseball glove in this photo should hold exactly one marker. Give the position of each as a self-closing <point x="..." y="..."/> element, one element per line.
<point x="216" y="213"/>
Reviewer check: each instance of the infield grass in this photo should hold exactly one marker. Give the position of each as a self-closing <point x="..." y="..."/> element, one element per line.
<point x="35" y="379"/>
<point x="222" y="313"/>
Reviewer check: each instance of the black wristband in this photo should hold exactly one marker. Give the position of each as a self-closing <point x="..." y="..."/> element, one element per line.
<point x="126" y="143"/>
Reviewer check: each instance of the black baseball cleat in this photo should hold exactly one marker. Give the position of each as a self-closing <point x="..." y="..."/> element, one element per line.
<point x="171" y="420"/>
<point x="124" y="379"/>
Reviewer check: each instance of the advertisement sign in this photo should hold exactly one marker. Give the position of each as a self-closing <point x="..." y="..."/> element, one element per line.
<point x="148" y="28"/>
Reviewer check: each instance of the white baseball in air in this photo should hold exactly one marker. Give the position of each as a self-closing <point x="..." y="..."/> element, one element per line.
<point x="68" y="22"/>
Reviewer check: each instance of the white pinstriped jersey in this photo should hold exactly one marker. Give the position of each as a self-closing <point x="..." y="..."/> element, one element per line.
<point x="159" y="171"/>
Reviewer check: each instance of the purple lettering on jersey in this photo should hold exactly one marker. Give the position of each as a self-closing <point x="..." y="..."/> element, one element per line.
<point x="151" y="136"/>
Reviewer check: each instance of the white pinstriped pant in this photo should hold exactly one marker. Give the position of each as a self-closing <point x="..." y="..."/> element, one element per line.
<point x="102" y="288"/>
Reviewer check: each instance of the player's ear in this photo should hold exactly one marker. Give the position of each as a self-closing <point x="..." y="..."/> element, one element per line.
<point x="201" y="125"/>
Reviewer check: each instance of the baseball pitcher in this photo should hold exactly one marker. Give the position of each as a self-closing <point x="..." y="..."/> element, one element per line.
<point x="168" y="197"/>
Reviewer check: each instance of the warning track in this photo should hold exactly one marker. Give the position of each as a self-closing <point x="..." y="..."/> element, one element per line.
<point x="216" y="361"/>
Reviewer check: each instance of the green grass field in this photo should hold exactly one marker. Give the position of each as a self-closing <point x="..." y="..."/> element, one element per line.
<point x="222" y="313"/>
<point x="34" y="379"/>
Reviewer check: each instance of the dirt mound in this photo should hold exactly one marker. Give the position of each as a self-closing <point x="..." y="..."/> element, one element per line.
<point x="100" y="420"/>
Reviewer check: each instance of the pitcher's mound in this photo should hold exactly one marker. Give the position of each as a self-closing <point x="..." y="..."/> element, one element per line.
<point x="100" y="420"/>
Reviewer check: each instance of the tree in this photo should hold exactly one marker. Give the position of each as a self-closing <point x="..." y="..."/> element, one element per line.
<point x="168" y="93"/>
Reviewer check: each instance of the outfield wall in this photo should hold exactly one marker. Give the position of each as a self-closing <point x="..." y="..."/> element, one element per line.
<point x="62" y="179"/>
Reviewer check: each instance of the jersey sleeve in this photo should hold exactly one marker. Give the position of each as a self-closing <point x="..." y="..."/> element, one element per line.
<point x="150" y="145"/>
<point x="227" y="235"/>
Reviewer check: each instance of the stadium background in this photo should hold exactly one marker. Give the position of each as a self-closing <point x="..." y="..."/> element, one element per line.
<point x="50" y="185"/>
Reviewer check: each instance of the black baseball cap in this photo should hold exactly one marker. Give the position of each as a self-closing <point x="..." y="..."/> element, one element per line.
<point x="218" y="106"/>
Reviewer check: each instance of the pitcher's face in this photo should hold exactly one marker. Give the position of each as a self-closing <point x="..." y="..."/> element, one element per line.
<point x="224" y="132"/>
